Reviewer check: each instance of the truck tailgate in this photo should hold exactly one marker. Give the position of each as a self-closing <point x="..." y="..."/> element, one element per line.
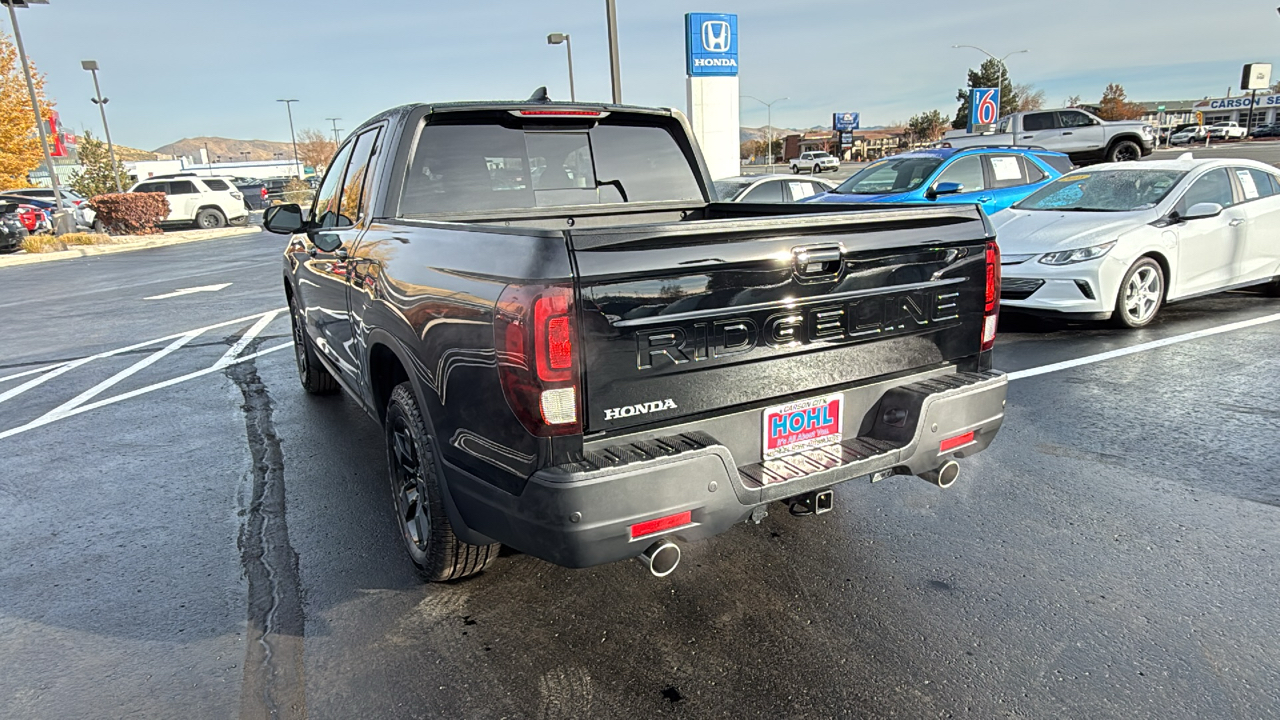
<point x="691" y="317"/>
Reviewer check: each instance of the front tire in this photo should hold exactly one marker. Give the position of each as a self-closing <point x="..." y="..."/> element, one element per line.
<point x="1124" y="151"/>
<point x="436" y="551"/>
<point x="1141" y="295"/>
<point x="209" y="218"/>
<point x="817" y="169"/>
<point x="795" y="170"/>
<point x="314" y="376"/>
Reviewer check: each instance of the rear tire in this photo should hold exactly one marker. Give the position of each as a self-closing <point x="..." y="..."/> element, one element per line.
<point x="1140" y="296"/>
<point x="1124" y="151"/>
<point x="313" y="375"/>
<point x="210" y="218"/>
<point x="436" y="551"/>
<point x="1272" y="289"/>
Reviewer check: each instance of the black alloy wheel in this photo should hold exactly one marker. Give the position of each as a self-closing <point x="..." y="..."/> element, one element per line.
<point x="1125" y="151"/>
<point x="435" y="550"/>
<point x="314" y="376"/>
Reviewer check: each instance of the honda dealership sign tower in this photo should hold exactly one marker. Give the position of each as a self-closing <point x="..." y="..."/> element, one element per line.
<point x="711" y="57"/>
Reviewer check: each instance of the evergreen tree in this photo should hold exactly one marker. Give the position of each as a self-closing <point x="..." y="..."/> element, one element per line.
<point x="987" y="76"/>
<point x="96" y="177"/>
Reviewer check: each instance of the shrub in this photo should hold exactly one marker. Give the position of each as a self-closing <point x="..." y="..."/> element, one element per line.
<point x="49" y="243"/>
<point x="131" y="213"/>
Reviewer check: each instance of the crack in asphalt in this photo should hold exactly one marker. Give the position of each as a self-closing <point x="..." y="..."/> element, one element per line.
<point x="273" y="685"/>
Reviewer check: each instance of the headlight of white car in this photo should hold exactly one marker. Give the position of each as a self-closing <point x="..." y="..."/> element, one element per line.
<point x="1067" y="257"/>
<point x="1148" y="130"/>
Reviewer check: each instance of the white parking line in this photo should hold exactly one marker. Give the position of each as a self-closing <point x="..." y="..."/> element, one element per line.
<point x="1143" y="347"/>
<point x="32" y="371"/>
<point x="66" y="407"/>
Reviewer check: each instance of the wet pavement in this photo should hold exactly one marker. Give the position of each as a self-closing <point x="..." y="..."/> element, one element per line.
<point x="186" y="533"/>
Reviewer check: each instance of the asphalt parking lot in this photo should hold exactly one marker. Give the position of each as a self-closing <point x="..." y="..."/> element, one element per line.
<point x="186" y="533"/>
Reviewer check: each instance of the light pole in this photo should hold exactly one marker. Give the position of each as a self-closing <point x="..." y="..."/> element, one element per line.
<point x="769" y="148"/>
<point x="336" y="140"/>
<point x="556" y="39"/>
<point x="101" y="102"/>
<point x="60" y="218"/>
<point x="611" y="14"/>
<point x="297" y="165"/>
<point x="1003" y="73"/>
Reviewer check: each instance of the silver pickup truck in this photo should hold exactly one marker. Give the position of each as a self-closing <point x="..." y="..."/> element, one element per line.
<point x="1077" y="133"/>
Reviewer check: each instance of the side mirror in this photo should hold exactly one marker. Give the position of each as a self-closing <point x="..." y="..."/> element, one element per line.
<point x="1202" y="210"/>
<point x="284" y="219"/>
<point x="946" y="188"/>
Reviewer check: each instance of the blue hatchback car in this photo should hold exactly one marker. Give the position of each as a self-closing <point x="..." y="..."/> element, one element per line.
<point x="993" y="177"/>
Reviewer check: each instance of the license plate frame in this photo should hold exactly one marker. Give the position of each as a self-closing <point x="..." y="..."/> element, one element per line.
<point x="821" y="423"/>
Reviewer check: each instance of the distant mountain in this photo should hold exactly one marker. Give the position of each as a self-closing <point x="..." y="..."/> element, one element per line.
<point x="125" y="153"/>
<point x="226" y="148"/>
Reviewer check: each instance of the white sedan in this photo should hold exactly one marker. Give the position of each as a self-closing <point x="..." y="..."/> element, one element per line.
<point x="1117" y="241"/>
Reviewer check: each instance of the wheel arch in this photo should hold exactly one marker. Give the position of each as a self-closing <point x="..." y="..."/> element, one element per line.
<point x="1165" y="269"/>
<point x="1133" y="137"/>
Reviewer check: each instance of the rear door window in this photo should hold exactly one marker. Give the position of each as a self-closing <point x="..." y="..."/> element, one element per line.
<point x="1061" y="163"/>
<point x="475" y="166"/>
<point x="1254" y="183"/>
<point x="182" y="187"/>
<point x="1006" y="171"/>
<point x="151" y="187"/>
<point x="1038" y="121"/>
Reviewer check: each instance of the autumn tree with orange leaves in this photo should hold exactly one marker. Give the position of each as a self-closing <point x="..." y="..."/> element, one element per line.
<point x="316" y="149"/>
<point x="19" y="144"/>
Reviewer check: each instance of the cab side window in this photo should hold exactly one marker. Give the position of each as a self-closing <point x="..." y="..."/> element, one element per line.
<point x="967" y="171"/>
<point x="353" y="184"/>
<point x="326" y="211"/>
<point x="1074" y="118"/>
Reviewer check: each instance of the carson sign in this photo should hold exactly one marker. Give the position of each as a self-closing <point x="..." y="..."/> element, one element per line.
<point x="711" y="44"/>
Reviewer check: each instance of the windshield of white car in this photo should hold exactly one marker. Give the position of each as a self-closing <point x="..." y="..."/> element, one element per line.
<point x="820" y="155"/>
<point x="895" y="175"/>
<point x="1104" y="191"/>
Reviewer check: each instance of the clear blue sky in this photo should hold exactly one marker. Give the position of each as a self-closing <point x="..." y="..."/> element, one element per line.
<point x="183" y="68"/>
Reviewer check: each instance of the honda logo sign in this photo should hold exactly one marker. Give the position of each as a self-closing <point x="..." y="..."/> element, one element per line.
<point x="711" y="44"/>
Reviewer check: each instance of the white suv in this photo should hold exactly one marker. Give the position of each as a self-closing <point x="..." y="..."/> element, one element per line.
<point x="206" y="202"/>
<point x="816" y="161"/>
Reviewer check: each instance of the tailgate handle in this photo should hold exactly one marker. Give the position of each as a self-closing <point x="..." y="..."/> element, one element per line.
<point x="813" y="261"/>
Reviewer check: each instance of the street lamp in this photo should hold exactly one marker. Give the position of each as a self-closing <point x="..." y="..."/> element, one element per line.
<point x="556" y="39"/>
<point x="1003" y="73"/>
<point x="769" y="148"/>
<point x="336" y="139"/>
<point x="60" y="219"/>
<point x="101" y="102"/>
<point x="297" y="165"/>
<point x="615" y="73"/>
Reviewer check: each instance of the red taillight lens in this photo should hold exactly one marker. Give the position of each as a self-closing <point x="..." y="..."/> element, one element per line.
<point x="991" y="309"/>
<point x="534" y="333"/>
<point x="264" y="193"/>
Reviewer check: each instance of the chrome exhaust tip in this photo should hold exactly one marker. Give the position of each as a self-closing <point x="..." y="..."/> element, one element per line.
<point x="945" y="476"/>
<point x="662" y="558"/>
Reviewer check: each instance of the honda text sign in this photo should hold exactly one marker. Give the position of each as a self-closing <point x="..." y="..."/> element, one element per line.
<point x="984" y="108"/>
<point x="844" y="121"/>
<point x="711" y="44"/>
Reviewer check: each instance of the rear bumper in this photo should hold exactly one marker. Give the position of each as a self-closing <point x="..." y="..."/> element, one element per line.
<point x="580" y="514"/>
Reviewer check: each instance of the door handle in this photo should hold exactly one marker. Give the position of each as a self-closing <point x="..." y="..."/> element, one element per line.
<point x="1237" y="222"/>
<point x="1066" y="133"/>
<point x="985" y="199"/>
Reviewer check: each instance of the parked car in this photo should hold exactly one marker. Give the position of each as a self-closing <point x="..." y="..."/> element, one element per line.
<point x="254" y="191"/>
<point x="204" y="202"/>
<point x="769" y="188"/>
<point x="275" y="188"/>
<point x="815" y="162"/>
<point x="590" y="363"/>
<point x="1193" y="133"/>
<point x="1120" y="241"/>
<point x="12" y="229"/>
<point x="994" y="178"/>
<point x="1081" y="135"/>
<point x="80" y="209"/>
<point x="34" y="214"/>
<point x="1226" y="131"/>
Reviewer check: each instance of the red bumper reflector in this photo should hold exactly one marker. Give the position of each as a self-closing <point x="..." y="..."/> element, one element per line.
<point x="649" y="527"/>
<point x="955" y="442"/>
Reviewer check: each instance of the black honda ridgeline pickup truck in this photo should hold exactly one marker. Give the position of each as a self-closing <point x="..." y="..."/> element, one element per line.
<point x="576" y="351"/>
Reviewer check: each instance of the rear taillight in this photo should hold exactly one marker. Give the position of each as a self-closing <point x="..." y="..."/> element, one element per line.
<point x="264" y="192"/>
<point x="991" y="309"/>
<point x="536" y="335"/>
